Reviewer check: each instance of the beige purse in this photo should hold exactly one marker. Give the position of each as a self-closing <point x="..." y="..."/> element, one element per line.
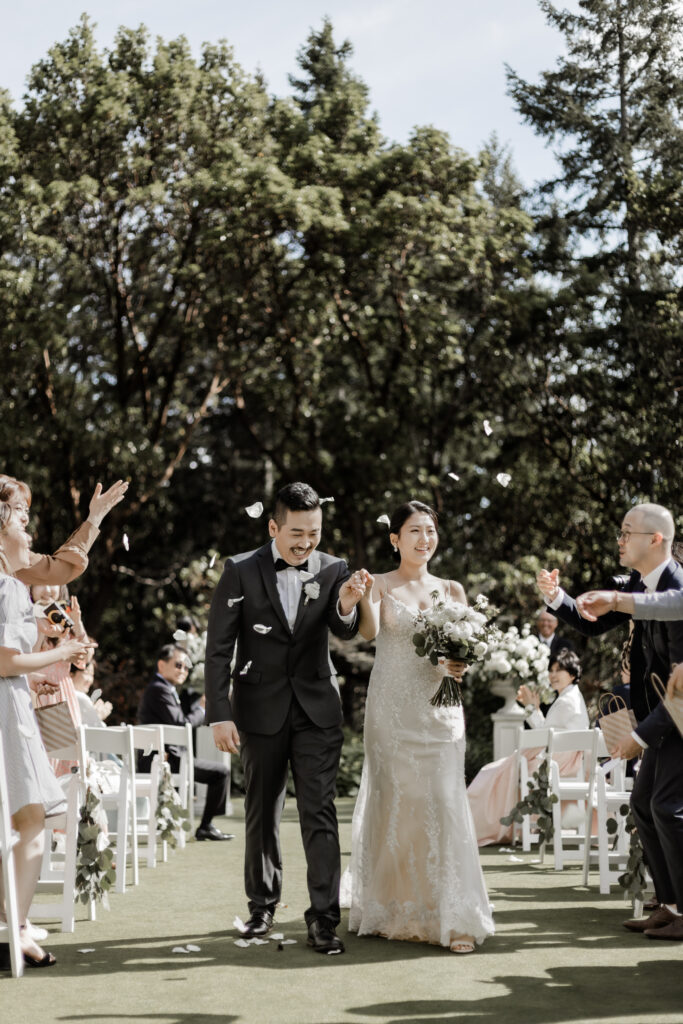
<point x="56" y="725"/>
<point x="617" y="722"/>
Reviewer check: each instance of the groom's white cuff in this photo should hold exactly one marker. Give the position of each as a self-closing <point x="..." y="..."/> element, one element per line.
<point x="347" y="619"/>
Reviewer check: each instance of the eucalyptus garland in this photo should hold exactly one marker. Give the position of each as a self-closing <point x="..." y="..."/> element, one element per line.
<point x="95" y="873"/>
<point x="539" y="802"/>
<point x="634" y="879"/>
<point x="171" y="815"/>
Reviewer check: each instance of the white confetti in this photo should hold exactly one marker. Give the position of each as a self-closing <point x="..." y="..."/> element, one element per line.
<point x="193" y="949"/>
<point x="488" y="429"/>
<point x="516" y="860"/>
<point x="87" y="949"/>
<point x="26" y="731"/>
<point x="126" y="542"/>
<point x="234" y="600"/>
<point x="257" y="942"/>
<point x="258" y="628"/>
<point x="333" y="952"/>
<point x="506" y="849"/>
<point x="288" y="942"/>
<point x="384" y="519"/>
<point x="180" y="635"/>
<point x="536" y="860"/>
<point x="212" y="562"/>
<point x="323" y="500"/>
<point x="306" y="576"/>
<point x="503" y="479"/>
<point x="254" y="510"/>
<point x="277" y="936"/>
<point x="95" y="695"/>
<point x="179" y="949"/>
<point x="246" y="668"/>
<point x="239" y="924"/>
<point x="242" y="943"/>
<point x="454" y="476"/>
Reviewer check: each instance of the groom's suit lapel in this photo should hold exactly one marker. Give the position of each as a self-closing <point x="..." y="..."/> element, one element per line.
<point x="267" y="567"/>
<point x="313" y="567"/>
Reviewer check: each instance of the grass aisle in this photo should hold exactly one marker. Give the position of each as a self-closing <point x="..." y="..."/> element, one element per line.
<point x="560" y="954"/>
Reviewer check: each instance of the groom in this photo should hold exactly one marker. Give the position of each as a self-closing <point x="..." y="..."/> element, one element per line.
<point x="276" y="605"/>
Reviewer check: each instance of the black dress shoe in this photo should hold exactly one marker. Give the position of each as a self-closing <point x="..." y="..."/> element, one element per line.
<point x="260" y="923"/>
<point x="211" y="832"/>
<point x="322" y="937"/>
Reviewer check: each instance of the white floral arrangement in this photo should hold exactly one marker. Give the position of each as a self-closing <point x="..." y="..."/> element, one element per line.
<point x="519" y="656"/>
<point x="456" y="631"/>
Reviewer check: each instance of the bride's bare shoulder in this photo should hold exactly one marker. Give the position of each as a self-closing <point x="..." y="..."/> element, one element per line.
<point x="456" y="591"/>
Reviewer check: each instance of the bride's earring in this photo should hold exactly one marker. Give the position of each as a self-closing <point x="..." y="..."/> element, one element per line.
<point x="395" y="548"/>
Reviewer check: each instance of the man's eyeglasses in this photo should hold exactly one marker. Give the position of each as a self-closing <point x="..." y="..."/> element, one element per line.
<point x="180" y="664"/>
<point x="625" y="534"/>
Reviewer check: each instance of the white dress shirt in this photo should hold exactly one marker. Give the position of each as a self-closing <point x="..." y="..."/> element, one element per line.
<point x="290" y="583"/>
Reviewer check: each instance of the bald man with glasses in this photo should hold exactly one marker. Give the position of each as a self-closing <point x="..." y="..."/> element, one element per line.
<point x="645" y="542"/>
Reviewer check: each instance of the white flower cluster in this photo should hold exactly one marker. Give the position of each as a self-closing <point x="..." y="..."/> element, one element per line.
<point x="519" y="656"/>
<point x="454" y="630"/>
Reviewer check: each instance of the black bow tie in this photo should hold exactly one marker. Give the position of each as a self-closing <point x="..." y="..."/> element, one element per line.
<point x="280" y="564"/>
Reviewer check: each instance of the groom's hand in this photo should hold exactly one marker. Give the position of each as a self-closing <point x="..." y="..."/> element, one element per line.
<point x="226" y="737"/>
<point x="353" y="589"/>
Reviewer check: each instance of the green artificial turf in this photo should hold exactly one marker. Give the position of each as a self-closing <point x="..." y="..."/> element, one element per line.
<point x="559" y="955"/>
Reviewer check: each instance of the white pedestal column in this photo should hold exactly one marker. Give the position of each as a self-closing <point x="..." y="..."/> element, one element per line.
<point x="507" y="721"/>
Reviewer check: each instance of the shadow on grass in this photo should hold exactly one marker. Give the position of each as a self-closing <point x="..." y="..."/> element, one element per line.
<point x="565" y="995"/>
<point x="164" y="1018"/>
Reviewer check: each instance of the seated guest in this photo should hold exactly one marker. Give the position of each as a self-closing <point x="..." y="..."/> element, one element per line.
<point x="93" y="713"/>
<point x="160" y="705"/>
<point x="493" y="792"/>
<point x="546" y="624"/>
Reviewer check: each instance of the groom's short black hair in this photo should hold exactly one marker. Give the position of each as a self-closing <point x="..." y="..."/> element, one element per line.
<point x="297" y="497"/>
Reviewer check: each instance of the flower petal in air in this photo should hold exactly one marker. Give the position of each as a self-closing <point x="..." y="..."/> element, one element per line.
<point x="126" y="542"/>
<point x="503" y="479"/>
<point x="254" y="510"/>
<point x="488" y="429"/>
<point x="384" y="519"/>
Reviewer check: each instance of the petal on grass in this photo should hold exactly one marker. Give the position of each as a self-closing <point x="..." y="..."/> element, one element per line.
<point x="259" y="628"/>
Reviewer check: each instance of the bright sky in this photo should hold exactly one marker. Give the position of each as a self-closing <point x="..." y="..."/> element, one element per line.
<point x="437" y="62"/>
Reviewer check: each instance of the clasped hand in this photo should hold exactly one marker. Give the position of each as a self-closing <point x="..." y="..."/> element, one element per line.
<point x="354" y="588"/>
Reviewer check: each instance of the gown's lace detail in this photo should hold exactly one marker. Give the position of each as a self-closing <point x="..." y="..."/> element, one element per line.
<point x="415" y="871"/>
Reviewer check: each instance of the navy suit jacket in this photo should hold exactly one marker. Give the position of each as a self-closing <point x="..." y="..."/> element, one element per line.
<point x="655" y="647"/>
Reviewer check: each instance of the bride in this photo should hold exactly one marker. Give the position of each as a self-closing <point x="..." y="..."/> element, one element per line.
<point x="415" y="871"/>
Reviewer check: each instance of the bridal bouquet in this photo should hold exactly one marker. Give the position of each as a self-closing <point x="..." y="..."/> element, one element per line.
<point x="454" y="631"/>
<point x="521" y="658"/>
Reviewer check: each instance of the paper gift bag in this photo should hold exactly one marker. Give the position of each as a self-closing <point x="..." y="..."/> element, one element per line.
<point x="617" y="722"/>
<point x="56" y="725"/>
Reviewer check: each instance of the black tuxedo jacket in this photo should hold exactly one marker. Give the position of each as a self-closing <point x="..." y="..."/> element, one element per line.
<point x="159" y="705"/>
<point x="655" y="647"/>
<point x="270" y="667"/>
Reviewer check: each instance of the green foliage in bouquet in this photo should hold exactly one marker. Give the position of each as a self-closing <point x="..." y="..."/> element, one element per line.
<point x="633" y="881"/>
<point x="95" y="860"/>
<point x="537" y="802"/>
<point x="171" y="815"/>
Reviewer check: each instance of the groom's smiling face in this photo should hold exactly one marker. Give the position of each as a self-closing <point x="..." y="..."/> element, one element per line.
<point x="298" y="536"/>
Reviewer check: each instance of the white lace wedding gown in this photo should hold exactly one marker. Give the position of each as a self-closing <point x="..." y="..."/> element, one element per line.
<point x="415" y="871"/>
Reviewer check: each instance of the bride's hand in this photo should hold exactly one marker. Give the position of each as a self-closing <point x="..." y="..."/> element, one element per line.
<point x="456" y="669"/>
<point x="353" y="589"/>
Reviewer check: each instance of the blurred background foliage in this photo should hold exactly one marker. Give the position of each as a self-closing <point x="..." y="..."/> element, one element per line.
<point x="212" y="291"/>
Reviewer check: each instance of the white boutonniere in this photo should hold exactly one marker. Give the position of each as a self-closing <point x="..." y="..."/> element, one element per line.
<point x="312" y="591"/>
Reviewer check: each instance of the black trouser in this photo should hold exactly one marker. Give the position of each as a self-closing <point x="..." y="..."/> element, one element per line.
<point x="215" y="777"/>
<point x="313" y="754"/>
<point x="657" y="803"/>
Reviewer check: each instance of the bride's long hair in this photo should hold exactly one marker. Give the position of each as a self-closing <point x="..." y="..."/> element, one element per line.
<point x="404" y="512"/>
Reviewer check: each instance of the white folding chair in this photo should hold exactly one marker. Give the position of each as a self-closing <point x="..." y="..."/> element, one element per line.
<point x="183" y="779"/>
<point x="8" y="840"/>
<point x="118" y="741"/>
<point x="148" y="740"/>
<point x="528" y="739"/>
<point x="577" y="788"/>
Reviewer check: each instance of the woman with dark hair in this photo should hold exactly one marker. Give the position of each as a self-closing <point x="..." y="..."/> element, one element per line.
<point x="71" y="559"/>
<point x="415" y="871"/>
<point x="34" y="793"/>
<point x="493" y="791"/>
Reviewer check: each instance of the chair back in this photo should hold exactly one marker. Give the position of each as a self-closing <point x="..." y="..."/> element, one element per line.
<point x="532" y="739"/>
<point x="9" y="882"/>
